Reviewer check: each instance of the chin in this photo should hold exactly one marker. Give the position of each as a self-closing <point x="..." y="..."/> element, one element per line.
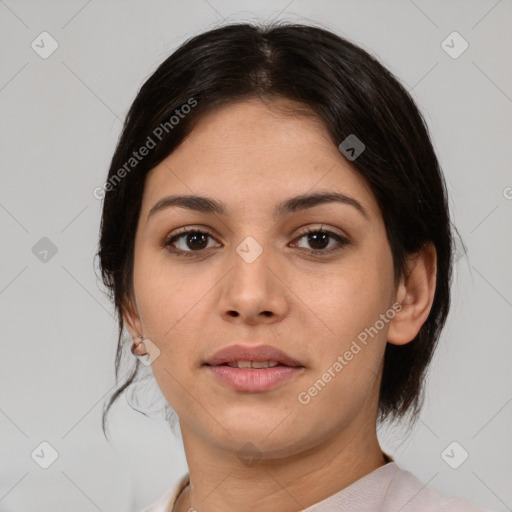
<point x="251" y="446"/>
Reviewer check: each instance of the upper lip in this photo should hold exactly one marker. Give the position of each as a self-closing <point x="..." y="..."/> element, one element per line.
<point x="259" y="353"/>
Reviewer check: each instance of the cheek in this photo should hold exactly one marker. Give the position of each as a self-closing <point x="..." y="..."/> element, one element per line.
<point x="166" y="299"/>
<point x="348" y="298"/>
<point x="172" y="307"/>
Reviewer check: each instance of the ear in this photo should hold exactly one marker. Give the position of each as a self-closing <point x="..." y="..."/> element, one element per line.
<point x="131" y="318"/>
<point x="416" y="294"/>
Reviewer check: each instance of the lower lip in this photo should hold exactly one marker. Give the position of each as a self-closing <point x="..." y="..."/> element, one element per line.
<point x="254" y="380"/>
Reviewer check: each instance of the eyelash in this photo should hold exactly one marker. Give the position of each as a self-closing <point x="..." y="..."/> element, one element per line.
<point x="342" y="242"/>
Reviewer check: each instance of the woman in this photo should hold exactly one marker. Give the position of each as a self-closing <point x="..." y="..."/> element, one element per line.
<point x="276" y="239"/>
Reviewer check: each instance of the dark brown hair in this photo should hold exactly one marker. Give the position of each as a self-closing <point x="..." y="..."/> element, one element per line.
<point x="352" y="93"/>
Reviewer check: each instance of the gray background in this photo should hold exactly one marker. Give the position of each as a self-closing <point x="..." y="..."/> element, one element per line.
<point x="60" y="119"/>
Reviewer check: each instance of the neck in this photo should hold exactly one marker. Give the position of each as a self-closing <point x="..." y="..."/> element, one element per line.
<point x="220" y="482"/>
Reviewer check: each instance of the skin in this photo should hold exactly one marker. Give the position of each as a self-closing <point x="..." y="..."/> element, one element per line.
<point x="250" y="156"/>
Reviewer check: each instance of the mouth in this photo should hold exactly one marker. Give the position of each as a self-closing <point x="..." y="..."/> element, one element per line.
<point x="244" y="356"/>
<point x="254" y="380"/>
<point x="253" y="369"/>
<point x="254" y="364"/>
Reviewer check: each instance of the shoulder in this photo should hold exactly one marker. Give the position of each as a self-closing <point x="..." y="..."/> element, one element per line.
<point x="166" y="502"/>
<point x="409" y="493"/>
<point x="391" y="489"/>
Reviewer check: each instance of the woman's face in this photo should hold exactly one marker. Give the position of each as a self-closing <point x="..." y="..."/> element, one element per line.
<point x="251" y="279"/>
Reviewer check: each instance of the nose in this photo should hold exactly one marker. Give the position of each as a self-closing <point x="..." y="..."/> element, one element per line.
<point x="254" y="291"/>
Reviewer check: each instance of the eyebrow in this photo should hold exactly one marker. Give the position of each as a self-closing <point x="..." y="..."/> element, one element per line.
<point x="291" y="205"/>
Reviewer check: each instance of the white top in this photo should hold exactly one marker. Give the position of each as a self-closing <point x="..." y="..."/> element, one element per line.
<point x="386" y="489"/>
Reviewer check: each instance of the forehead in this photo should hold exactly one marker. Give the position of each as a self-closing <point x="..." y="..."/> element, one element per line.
<point x="253" y="151"/>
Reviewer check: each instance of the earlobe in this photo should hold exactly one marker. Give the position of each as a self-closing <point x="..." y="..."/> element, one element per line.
<point x="416" y="295"/>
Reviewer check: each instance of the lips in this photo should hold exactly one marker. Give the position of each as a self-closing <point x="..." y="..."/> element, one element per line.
<point x="261" y="353"/>
<point x="251" y="374"/>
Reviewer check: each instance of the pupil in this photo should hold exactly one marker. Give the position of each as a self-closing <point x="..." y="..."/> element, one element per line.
<point x="318" y="238"/>
<point x="193" y="237"/>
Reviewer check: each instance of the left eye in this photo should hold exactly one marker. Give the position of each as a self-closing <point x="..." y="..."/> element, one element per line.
<point x="319" y="240"/>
